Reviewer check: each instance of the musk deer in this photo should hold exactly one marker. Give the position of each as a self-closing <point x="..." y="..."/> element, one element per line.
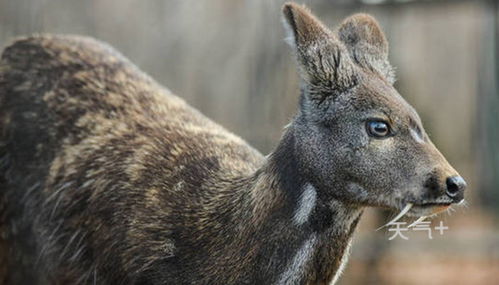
<point x="108" y="178"/>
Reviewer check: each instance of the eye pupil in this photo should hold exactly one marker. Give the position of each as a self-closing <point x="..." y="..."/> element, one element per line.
<point x="378" y="129"/>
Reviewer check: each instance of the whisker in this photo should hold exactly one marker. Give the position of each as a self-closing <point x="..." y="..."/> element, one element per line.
<point x="448" y="211"/>
<point x="463" y="203"/>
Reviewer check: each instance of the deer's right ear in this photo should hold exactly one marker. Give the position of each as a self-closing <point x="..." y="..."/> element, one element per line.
<point x="322" y="59"/>
<point x="302" y="27"/>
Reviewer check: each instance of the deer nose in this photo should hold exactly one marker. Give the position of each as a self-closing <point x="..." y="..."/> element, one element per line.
<point x="455" y="186"/>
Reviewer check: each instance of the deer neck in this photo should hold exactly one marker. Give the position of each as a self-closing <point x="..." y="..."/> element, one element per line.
<point x="296" y="235"/>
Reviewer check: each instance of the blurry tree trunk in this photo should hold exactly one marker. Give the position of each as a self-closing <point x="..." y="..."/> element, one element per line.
<point x="488" y="147"/>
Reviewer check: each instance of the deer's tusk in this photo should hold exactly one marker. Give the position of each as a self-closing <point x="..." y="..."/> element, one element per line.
<point x="400" y="215"/>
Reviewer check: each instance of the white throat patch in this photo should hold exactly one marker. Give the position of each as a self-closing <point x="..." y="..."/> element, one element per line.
<point x="305" y="205"/>
<point x="294" y="271"/>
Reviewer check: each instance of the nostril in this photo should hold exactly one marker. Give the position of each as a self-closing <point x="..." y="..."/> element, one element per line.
<point x="455" y="184"/>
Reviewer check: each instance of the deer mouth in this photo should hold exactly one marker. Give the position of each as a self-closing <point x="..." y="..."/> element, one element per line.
<point x="431" y="208"/>
<point x="421" y="210"/>
<point x="433" y="204"/>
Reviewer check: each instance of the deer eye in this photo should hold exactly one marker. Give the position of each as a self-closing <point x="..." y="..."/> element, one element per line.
<point x="378" y="129"/>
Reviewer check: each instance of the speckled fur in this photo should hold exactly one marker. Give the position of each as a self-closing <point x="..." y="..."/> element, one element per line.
<point x="108" y="178"/>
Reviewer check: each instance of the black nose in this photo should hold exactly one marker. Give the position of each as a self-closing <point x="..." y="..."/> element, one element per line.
<point x="455" y="185"/>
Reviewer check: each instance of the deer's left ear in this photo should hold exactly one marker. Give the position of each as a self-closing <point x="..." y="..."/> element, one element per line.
<point x="367" y="44"/>
<point x="323" y="61"/>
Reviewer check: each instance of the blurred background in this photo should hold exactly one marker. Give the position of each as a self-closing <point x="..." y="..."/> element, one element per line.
<point x="228" y="58"/>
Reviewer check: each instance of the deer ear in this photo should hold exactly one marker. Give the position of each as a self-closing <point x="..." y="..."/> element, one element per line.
<point x="367" y="44"/>
<point x="303" y="28"/>
<point x="323" y="61"/>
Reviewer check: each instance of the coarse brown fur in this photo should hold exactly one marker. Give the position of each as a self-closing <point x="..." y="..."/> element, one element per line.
<point x="108" y="178"/>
